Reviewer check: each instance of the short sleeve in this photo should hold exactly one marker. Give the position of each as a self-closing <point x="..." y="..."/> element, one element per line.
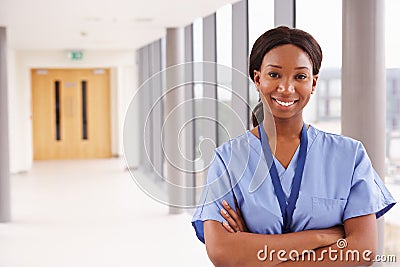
<point x="217" y="188"/>
<point x="368" y="193"/>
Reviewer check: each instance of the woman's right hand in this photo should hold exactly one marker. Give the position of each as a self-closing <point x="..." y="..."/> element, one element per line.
<point x="234" y="218"/>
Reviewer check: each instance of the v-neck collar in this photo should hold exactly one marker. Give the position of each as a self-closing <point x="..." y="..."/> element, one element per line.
<point x="286" y="175"/>
<point x="255" y="142"/>
<point x="292" y="162"/>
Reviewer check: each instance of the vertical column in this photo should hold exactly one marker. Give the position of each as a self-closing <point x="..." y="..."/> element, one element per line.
<point x="364" y="80"/>
<point x="148" y="102"/>
<point x="240" y="51"/>
<point x="157" y="109"/>
<point x="5" y="206"/>
<point x="285" y="13"/>
<point x="141" y="79"/>
<point x="209" y="125"/>
<point x="145" y="93"/>
<point x="173" y="119"/>
<point x="189" y="115"/>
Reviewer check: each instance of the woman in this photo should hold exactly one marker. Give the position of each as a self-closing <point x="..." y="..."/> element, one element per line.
<point x="292" y="186"/>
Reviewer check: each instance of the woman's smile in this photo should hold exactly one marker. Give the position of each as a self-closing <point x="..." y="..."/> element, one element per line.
<point x="285" y="81"/>
<point x="284" y="102"/>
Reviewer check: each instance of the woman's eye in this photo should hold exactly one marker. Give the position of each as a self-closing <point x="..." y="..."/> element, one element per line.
<point x="273" y="74"/>
<point x="301" y="76"/>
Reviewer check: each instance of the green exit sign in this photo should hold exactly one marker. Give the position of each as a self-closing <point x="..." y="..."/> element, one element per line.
<point x="75" y="55"/>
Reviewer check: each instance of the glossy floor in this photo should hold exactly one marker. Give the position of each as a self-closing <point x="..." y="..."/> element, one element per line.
<point x="91" y="213"/>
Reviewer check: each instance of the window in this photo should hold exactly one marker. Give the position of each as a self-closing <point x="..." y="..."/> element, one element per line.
<point x="200" y="174"/>
<point x="392" y="227"/>
<point x="57" y="109"/>
<point x="261" y="19"/>
<point x="324" y="108"/>
<point x="392" y="65"/>
<point x="198" y="76"/>
<point x="224" y="73"/>
<point x="84" y="110"/>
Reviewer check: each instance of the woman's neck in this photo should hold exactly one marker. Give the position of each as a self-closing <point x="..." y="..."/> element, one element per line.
<point x="284" y="129"/>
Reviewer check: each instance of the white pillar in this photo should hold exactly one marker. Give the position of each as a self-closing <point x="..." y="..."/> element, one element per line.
<point x="285" y="13"/>
<point x="173" y="120"/>
<point x="189" y="131"/>
<point x="156" y="92"/>
<point x="364" y="81"/>
<point x="5" y="206"/>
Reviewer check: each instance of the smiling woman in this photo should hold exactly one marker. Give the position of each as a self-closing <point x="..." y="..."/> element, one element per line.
<point x="284" y="184"/>
<point x="302" y="55"/>
<point x="288" y="68"/>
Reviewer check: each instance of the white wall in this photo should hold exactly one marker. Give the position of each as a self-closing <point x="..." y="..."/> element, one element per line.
<point x="123" y="84"/>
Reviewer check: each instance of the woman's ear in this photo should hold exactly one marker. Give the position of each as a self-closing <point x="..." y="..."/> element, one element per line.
<point x="314" y="84"/>
<point x="256" y="78"/>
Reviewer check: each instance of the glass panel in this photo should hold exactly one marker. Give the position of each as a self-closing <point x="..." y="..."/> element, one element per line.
<point x="198" y="89"/>
<point x="393" y="68"/>
<point x="198" y="76"/>
<point x="334" y="108"/>
<point x="322" y="89"/>
<point x="323" y="106"/>
<point x="328" y="33"/>
<point x="393" y="99"/>
<point x="84" y="111"/>
<point x="57" y="109"/>
<point x="261" y="19"/>
<point x="224" y="76"/>
<point x="392" y="226"/>
<point x="335" y="88"/>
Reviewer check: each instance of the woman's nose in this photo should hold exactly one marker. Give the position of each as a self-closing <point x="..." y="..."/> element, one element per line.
<point x="287" y="86"/>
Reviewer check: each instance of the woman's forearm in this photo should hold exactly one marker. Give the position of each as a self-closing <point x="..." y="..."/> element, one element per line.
<point x="248" y="249"/>
<point x="352" y="255"/>
<point x="358" y="249"/>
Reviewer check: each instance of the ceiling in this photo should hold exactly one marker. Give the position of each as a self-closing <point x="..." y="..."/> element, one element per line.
<point x="96" y="24"/>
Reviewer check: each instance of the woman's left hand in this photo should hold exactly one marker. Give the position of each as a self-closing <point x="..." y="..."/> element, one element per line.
<point x="234" y="218"/>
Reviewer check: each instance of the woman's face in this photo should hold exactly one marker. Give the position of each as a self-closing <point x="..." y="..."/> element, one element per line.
<point x="285" y="81"/>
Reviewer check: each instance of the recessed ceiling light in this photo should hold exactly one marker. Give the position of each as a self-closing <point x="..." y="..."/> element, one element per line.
<point x="143" y="20"/>
<point x="92" y="19"/>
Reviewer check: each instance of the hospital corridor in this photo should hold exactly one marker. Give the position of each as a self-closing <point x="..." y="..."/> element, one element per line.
<point x="112" y="114"/>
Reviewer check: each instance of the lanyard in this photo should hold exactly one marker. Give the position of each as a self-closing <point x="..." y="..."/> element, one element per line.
<point x="287" y="207"/>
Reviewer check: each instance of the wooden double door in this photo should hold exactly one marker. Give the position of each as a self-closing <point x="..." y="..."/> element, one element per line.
<point x="71" y="113"/>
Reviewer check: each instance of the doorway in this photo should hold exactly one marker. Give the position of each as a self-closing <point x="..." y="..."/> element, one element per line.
<point x="71" y="113"/>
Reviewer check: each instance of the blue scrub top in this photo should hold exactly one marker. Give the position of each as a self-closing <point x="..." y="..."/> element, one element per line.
<point x="338" y="183"/>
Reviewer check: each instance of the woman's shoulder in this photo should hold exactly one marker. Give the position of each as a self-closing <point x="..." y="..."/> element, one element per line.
<point x="335" y="140"/>
<point x="244" y="142"/>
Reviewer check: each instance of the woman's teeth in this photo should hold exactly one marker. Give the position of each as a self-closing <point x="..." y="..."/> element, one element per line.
<point x="285" y="104"/>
